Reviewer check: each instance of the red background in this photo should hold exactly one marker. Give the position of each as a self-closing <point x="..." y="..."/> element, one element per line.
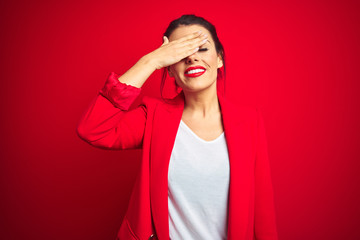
<point x="296" y="60"/>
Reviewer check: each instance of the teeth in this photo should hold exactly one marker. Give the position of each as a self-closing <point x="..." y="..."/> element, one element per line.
<point x="195" y="71"/>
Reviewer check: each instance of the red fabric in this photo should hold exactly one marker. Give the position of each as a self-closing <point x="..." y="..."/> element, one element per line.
<point x="152" y="126"/>
<point x="119" y="94"/>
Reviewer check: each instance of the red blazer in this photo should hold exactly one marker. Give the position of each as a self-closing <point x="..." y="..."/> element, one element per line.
<point x="152" y="126"/>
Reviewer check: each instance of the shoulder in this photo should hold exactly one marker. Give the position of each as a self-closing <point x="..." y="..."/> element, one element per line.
<point x="154" y="102"/>
<point x="150" y="101"/>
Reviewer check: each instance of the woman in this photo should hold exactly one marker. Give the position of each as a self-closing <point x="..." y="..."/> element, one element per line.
<point x="205" y="172"/>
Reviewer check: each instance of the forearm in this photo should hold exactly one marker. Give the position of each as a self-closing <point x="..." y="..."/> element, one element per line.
<point x="139" y="73"/>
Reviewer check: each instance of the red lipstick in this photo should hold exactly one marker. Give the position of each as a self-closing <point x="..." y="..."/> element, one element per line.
<point x="195" y="71"/>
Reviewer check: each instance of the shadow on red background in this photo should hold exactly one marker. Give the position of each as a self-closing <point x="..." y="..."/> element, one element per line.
<point x="297" y="61"/>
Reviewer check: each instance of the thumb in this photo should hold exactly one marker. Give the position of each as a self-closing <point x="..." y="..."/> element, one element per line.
<point x="165" y="40"/>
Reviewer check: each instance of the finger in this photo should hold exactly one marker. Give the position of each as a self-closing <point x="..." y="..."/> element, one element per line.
<point x="188" y="52"/>
<point x="193" y="43"/>
<point x="190" y="36"/>
<point x="192" y="46"/>
<point x="191" y="52"/>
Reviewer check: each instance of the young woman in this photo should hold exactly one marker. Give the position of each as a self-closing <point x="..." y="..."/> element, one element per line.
<point x="205" y="171"/>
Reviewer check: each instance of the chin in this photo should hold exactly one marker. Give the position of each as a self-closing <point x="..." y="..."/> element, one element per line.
<point x="195" y="84"/>
<point x="195" y="88"/>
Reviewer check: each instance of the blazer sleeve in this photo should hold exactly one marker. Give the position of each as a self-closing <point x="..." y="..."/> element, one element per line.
<point x="265" y="225"/>
<point x="108" y="123"/>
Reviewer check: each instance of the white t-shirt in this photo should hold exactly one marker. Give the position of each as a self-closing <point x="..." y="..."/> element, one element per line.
<point x="198" y="187"/>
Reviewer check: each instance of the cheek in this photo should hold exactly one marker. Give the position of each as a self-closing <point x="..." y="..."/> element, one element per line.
<point x="175" y="68"/>
<point x="211" y="59"/>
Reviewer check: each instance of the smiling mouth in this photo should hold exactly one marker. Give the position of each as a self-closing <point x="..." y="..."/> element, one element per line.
<point x="194" y="71"/>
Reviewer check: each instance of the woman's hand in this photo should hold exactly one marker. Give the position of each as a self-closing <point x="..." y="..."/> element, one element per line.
<point x="167" y="54"/>
<point x="172" y="52"/>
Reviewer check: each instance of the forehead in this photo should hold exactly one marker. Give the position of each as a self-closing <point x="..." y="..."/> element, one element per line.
<point x="183" y="30"/>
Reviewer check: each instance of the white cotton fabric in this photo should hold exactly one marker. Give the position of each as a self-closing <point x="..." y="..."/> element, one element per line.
<point x="198" y="186"/>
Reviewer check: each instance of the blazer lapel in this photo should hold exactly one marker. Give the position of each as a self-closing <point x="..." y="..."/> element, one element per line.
<point x="165" y="126"/>
<point x="240" y="139"/>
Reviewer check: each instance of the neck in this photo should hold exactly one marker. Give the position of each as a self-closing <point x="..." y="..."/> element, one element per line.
<point x="202" y="104"/>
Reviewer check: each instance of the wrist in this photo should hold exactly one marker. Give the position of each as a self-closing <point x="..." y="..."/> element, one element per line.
<point x="149" y="62"/>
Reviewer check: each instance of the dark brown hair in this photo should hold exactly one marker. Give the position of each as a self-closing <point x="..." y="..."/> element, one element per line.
<point x="186" y="20"/>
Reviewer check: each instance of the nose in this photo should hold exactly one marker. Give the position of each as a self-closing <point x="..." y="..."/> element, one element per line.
<point x="192" y="58"/>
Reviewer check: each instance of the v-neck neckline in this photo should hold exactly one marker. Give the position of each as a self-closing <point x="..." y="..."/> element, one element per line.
<point x="197" y="137"/>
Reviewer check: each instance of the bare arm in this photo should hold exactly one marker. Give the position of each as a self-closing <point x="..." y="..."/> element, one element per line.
<point x="167" y="54"/>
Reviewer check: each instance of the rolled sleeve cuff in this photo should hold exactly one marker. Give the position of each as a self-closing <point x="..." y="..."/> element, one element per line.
<point x="119" y="94"/>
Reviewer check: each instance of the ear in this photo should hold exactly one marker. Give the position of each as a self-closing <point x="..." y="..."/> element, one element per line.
<point x="169" y="72"/>
<point x="219" y="61"/>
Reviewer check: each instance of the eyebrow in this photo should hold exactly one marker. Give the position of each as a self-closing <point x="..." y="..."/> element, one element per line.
<point x="207" y="41"/>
